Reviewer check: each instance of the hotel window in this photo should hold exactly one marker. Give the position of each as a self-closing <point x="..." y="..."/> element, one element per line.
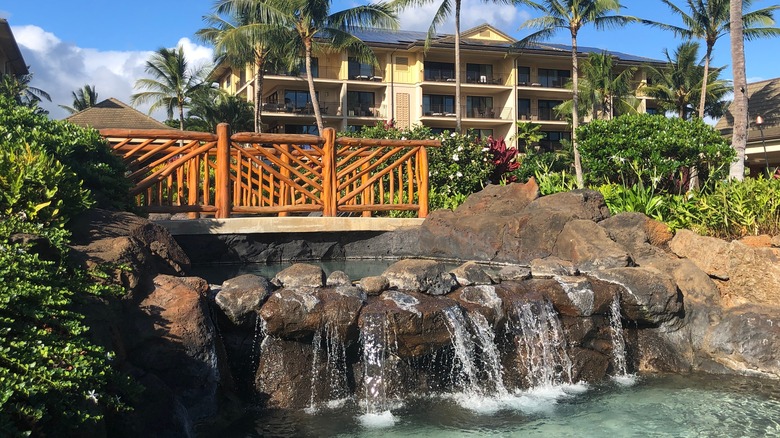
<point x="553" y="78"/>
<point x="360" y="103"/>
<point x="552" y="140"/>
<point x="547" y="111"/>
<point x="438" y="105"/>
<point x="359" y="70"/>
<point x="523" y="75"/>
<point x="524" y="109"/>
<point x="297" y="99"/>
<point x="479" y="73"/>
<point x="439" y="71"/>
<point x="301" y="129"/>
<point x="480" y="107"/>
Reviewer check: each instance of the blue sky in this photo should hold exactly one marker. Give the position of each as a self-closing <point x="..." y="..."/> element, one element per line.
<point x="72" y="43"/>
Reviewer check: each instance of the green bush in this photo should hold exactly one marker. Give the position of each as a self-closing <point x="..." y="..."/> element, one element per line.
<point x="652" y="150"/>
<point x="81" y="150"/>
<point x="36" y="186"/>
<point x="53" y="380"/>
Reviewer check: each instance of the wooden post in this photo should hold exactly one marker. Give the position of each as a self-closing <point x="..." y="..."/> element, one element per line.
<point x="222" y="200"/>
<point x="286" y="195"/>
<point x="193" y="183"/>
<point x="422" y="198"/>
<point x="329" y="177"/>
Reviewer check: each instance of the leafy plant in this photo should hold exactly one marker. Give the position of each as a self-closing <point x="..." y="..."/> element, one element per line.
<point x="504" y="161"/>
<point x="53" y="380"/>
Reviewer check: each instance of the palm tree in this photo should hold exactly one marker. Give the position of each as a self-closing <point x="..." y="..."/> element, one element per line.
<point x="83" y="98"/>
<point x="18" y="88"/>
<point x="245" y="35"/>
<point x="309" y="26"/>
<point x="174" y="83"/>
<point x="210" y="107"/>
<point x="572" y="15"/>
<point x="444" y="10"/>
<point x="676" y="86"/>
<point x="739" y="109"/>
<point x="602" y="92"/>
<point x="710" y="20"/>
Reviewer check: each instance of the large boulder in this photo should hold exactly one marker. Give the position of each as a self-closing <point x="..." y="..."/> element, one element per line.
<point x="498" y="200"/>
<point x="241" y="297"/>
<point x="420" y="275"/>
<point x="131" y="248"/>
<point x="300" y="275"/>
<point x="748" y="275"/>
<point x="649" y="296"/>
<point x="640" y="235"/>
<point x="284" y="375"/>
<point x="173" y="337"/>
<point x="588" y="246"/>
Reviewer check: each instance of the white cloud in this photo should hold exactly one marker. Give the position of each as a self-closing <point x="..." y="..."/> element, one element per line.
<point x="506" y="18"/>
<point x="59" y="68"/>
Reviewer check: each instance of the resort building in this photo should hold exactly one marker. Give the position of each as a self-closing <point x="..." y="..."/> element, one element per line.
<point x="763" y="143"/>
<point x="11" y="59"/>
<point x="411" y="86"/>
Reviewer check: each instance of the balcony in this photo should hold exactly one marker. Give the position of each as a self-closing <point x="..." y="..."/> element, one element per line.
<point x="317" y="72"/>
<point x="366" y="111"/>
<point x="326" y="109"/>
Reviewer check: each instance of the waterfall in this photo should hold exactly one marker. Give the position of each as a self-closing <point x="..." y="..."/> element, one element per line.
<point x="328" y="368"/>
<point x="618" y="343"/>
<point x="542" y="346"/>
<point x="464" y="376"/>
<point x="374" y="339"/>
<point x="491" y="361"/>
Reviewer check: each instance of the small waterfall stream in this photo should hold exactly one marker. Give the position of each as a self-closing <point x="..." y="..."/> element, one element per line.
<point x="465" y="376"/>
<point x="618" y="343"/>
<point x="485" y="338"/>
<point x="373" y="337"/>
<point x="542" y="346"/>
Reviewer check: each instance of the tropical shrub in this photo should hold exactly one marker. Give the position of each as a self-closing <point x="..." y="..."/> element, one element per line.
<point x="53" y="380"/>
<point x="36" y="186"/>
<point x="504" y="161"/>
<point x="653" y="150"/>
<point x="83" y="151"/>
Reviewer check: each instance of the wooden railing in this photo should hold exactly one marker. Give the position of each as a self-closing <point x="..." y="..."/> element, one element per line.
<point x="248" y="173"/>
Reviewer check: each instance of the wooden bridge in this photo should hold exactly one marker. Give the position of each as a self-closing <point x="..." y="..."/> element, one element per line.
<point x="248" y="174"/>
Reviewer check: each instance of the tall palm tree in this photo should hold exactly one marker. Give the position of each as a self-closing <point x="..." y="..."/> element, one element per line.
<point x="242" y="33"/>
<point x="602" y="92"/>
<point x="740" y="106"/>
<point x="709" y="20"/>
<point x="309" y="26"/>
<point x="572" y="15"/>
<point x="83" y="98"/>
<point x="211" y="106"/>
<point x="677" y="85"/>
<point x="444" y="10"/>
<point x="19" y="89"/>
<point x="173" y="84"/>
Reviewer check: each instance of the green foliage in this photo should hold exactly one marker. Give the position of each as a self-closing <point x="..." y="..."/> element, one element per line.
<point x="636" y="198"/>
<point x="82" y="151"/>
<point x="53" y="380"/>
<point x="36" y="186"/>
<point x="652" y="151"/>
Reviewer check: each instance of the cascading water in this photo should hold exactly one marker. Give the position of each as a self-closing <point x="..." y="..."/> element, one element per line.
<point x="328" y="368"/>
<point x="373" y="337"/>
<point x="541" y="344"/>
<point x="618" y="344"/>
<point x="485" y="339"/>
<point x="465" y="375"/>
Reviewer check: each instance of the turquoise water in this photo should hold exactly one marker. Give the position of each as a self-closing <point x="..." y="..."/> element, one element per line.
<point x="653" y="406"/>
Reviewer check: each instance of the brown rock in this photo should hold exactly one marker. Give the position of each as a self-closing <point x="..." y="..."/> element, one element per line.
<point x="374" y="285"/>
<point x="588" y="246"/>
<point x="551" y="267"/>
<point x="708" y="253"/>
<point x="300" y="275"/>
<point x="420" y="275"/>
<point x="500" y="200"/>
<point x="649" y="296"/>
<point x="761" y="241"/>
<point x="471" y="273"/>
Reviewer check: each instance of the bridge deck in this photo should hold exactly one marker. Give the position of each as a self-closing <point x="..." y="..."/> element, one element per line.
<point x="287" y="224"/>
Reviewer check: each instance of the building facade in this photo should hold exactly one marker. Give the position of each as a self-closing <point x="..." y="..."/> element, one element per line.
<point x="411" y="86"/>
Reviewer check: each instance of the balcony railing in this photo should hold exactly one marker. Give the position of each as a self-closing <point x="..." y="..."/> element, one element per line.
<point x="319" y="73"/>
<point x="496" y="78"/>
<point x="492" y="112"/>
<point x="365" y="111"/>
<point x="326" y="108"/>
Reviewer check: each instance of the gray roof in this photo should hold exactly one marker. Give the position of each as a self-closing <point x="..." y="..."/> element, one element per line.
<point x="408" y="38"/>
<point x="764" y="101"/>
<point x="112" y="113"/>
<point x="11" y="49"/>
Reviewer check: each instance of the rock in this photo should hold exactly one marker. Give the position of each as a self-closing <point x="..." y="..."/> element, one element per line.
<point x="351" y="291"/>
<point x="577" y="204"/>
<point x="588" y="246"/>
<point x="338" y="278"/>
<point x="708" y="253"/>
<point x="649" y="296"/>
<point x="551" y="267"/>
<point x="482" y="299"/>
<point x="133" y="249"/>
<point x="471" y="273"/>
<point x="374" y="285"/>
<point x="241" y="297"/>
<point x="284" y="374"/>
<point x="747" y="341"/>
<point x="298" y="314"/>
<point x="300" y="275"/>
<point x="500" y="200"/>
<point x="637" y="233"/>
<point x="419" y="275"/>
<point x="514" y="273"/>
<point x="174" y="338"/>
<point x="775" y="242"/>
<point x="415" y="322"/>
<point x="445" y="234"/>
<point x="36" y="245"/>
<point x="761" y="241"/>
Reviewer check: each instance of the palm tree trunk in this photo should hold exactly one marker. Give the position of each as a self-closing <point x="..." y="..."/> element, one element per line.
<point x="458" y="112"/>
<point x="705" y="79"/>
<point x="310" y="79"/>
<point x="574" y="113"/>
<point x="739" y="108"/>
<point x="259" y="64"/>
<point x="181" y="115"/>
